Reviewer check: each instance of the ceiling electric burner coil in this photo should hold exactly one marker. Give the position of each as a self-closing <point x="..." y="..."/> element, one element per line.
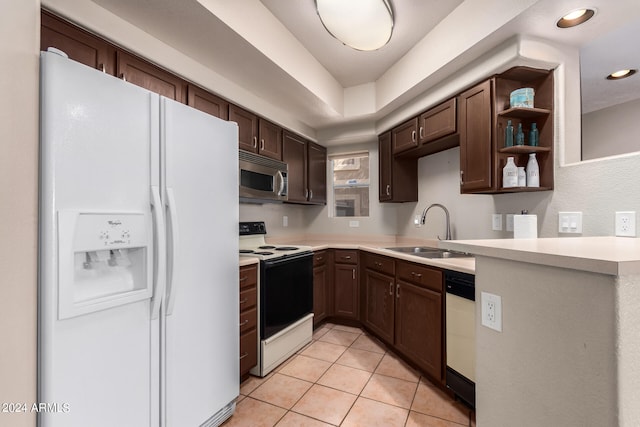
<point x="286" y="248"/>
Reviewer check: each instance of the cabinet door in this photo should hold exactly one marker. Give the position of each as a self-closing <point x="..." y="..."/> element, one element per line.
<point x="346" y="291"/>
<point x="385" y="160"/>
<point x="438" y="122"/>
<point x="146" y="75"/>
<point x="405" y="136"/>
<point x="379" y="303"/>
<point x="475" y="118"/>
<point x="247" y="128"/>
<point x="270" y="139"/>
<point x="319" y="294"/>
<point x="317" y="174"/>
<point x="294" y="154"/>
<point x="202" y="100"/>
<point x="79" y="45"/>
<point x="419" y="327"/>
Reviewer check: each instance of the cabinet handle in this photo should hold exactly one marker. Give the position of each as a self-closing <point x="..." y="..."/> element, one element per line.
<point x="346" y="257"/>
<point x="461" y="176"/>
<point x="244" y="301"/>
<point x="418" y="275"/>
<point x="353" y="274"/>
<point x="377" y="264"/>
<point x="242" y="279"/>
<point x="102" y="68"/>
<point x="421" y="132"/>
<point x="244" y="323"/>
<point x="306" y="193"/>
<point x="398" y="291"/>
<point x="413" y="136"/>
<point x="244" y="355"/>
<point x="255" y="142"/>
<point x="310" y="194"/>
<point x="388" y="190"/>
<point x="391" y="288"/>
<point x="123" y="77"/>
<point x="262" y="144"/>
<point x="319" y="258"/>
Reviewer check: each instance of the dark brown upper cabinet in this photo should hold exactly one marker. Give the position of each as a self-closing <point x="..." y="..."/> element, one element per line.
<point x="202" y="100"/>
<point x="398" y="177"/>
<point x="307" y="172"/>
<point x="255" y="134"/>
<point x="405" y="136"/>
<point x="78" y="44"/>
<point x="144" y="74"/>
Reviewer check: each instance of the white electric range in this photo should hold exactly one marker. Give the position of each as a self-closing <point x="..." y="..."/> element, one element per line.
<point x="285" y="296"/>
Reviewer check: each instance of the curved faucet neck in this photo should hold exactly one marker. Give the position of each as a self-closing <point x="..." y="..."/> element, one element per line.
<point x="446" y="213"/>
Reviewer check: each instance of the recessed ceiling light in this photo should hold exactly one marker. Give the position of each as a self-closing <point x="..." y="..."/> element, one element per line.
<point x="359" y="24"/>
<point x="575" y="17"/>
<point x="621" y="74"/>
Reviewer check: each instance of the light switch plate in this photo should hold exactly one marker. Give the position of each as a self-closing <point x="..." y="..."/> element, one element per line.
<point x="354" y="224"/>
<point x="509" y="222"/>
<point x="496" y="222"/>
<point x="570" y="222"/>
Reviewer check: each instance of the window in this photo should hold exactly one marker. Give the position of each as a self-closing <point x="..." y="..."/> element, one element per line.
<point x="350" y="185"/>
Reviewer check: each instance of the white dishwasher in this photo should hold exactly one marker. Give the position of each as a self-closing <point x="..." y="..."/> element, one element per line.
<point x="461" y="335"/>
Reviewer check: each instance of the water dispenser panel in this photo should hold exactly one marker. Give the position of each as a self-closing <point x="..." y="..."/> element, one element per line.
<point x="104" y="260"/>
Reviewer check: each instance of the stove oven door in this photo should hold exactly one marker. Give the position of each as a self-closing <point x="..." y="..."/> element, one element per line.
<point x="286" y="292"/>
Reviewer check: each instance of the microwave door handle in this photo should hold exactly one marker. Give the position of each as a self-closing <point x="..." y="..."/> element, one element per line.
<point x="281" y="178"/>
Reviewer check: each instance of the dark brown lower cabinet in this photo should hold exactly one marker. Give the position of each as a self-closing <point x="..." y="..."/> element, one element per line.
<point x="320" y="287"/>
<point x="419" y="326"/>
<point x="248" y="318"/>
<point x="346" y="288"/>
<point x="379" y="304"/>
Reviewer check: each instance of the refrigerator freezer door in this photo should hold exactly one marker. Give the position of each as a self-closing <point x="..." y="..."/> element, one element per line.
<point x="202" y="336"/>
<point x="96" y="144"/>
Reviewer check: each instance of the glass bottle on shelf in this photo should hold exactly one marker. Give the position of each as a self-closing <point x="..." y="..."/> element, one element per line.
<point x="520" y="135"/>
<point x="510" y="174"/>
<point x="508" y="134"/>
<point x="534" y="135"/>
<point x="533" y="171"/>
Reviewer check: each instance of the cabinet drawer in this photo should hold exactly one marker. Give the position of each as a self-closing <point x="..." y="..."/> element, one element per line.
<point x="319" y="258"/>
<point x="380" y="263"/>
<point x="248" y="276"/>
<point x="346" y="256"/>
<point x="248" y="320"/>
<point x="420" y="275"/>
<point x="248" y="298"/>
<point x="248" y="351"/>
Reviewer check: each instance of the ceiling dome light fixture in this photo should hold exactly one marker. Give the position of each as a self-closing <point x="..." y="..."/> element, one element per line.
<point x="575" y="17"/>
<point x="360" y="24"/>
<point x="621" y="74"/>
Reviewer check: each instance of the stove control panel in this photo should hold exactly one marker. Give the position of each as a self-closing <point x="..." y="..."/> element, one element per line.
<point x="249" y="228"/>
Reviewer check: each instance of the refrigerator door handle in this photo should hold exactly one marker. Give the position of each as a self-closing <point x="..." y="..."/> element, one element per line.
<point x="171" y="251"/>
<point x="159" y="275"/>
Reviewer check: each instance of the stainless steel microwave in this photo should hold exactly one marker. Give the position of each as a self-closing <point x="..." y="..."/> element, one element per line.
<point x="262" y="179"/>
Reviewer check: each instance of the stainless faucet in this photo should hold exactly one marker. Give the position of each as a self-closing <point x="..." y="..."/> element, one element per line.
<point x="446" y="213"/>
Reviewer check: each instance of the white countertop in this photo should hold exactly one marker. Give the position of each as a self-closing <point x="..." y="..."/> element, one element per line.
<point x="609" y="255"/>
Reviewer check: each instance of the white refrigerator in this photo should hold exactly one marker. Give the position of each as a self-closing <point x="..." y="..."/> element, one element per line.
<point x="138" y="266"/>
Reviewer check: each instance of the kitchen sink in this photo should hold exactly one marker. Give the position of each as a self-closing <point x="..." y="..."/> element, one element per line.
<point x="427" y="252"/>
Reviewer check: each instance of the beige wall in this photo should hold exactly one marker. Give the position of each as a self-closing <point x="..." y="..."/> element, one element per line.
<point x="611" y="131"/>
<point x="19" y="28"/>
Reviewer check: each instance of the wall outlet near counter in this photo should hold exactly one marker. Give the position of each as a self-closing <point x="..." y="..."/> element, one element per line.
<point x="354" y="224"/>
<point x="626" y="224"/>
<point x="491" y="311"/>
<point x="510" y="222"/>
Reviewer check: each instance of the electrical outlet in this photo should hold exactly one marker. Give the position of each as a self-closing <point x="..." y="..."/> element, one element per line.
<point x="491" y="311"/>
<point x="496" y="222"/>
<point x="626" y="224"/>
<point x="354" y="224"/>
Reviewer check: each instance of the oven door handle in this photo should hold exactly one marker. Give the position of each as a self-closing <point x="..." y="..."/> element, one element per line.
<point x="287" y="258"/>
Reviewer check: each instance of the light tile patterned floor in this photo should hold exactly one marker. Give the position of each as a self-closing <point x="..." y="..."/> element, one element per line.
<point x="345" y="378"/>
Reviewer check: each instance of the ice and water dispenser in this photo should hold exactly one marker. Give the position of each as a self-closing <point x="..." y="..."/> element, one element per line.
<point x="104" y="261"/>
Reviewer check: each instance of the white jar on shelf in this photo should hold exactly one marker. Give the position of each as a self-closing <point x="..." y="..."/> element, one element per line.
<point x="533" y="171"/>
<point x="510" y="174"/>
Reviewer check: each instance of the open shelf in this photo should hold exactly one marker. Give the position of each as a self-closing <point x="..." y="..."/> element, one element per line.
<point x="523" y="189"/>
<point x="523" y="112"/>
<point x="524" y="149"/>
